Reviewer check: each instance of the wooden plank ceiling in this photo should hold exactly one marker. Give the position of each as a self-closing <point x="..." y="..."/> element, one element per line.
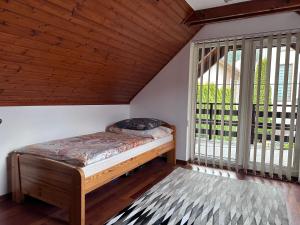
<point x="86" y="52"/>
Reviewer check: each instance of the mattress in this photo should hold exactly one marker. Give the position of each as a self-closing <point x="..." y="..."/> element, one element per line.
<point x="99" y="166"/>
<point x="86" y="149"/>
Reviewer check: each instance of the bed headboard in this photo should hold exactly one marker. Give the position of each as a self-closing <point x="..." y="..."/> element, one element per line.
<point x="173" y="127"/>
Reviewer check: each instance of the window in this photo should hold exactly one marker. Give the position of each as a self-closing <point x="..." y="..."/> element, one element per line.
<point x="238" y="115"/>
<point x="281" y="83"/>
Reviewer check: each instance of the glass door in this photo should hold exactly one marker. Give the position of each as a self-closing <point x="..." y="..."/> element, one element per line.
<point x="245" y="106"/>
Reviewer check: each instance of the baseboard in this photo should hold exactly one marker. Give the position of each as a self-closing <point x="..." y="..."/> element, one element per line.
<point x="181" y="162"/>
<point x="178" y="161"/>
<point x="5" y="196"/>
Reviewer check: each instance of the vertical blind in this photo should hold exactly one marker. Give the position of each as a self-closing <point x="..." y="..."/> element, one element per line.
<point x="245" y="103"/>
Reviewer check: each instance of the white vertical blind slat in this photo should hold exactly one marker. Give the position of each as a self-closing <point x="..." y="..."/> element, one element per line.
<point x="215" y="103"/>
<point x="284" y="99"/>
<point x="194" y="61"/>
<point x="266" y="104"/>
<point x="275" y="97"/>
<point x="200" y="100"/>
<point x="248" y="113"/>
<point x="257" y="108"/>
<point x="293" y="110"/>
<point x="237" y="160"/>
<point x="207" y="105"/>
<point x="231" y="103"/>
<point x="296" y="158"/>
<point x="223" y="103"/>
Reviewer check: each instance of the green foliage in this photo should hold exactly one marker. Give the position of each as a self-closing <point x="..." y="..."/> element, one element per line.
<point x="209" y="92"/>
<point x="262" y="89"/>
<point x="262" y="86"/>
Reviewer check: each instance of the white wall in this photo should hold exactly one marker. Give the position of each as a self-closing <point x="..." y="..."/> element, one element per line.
<point x="27" y="125"/>
<point x="166" y="96"/>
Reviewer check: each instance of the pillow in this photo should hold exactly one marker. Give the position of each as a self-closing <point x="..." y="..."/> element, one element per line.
<point x="156" y="133"/>
<point x="139" y="124"/>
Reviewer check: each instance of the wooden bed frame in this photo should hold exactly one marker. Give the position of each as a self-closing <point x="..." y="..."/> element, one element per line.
<point x="64" y="185"/>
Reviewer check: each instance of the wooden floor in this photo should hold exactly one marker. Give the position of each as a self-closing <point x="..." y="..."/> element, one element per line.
<point x="111" y="198"/>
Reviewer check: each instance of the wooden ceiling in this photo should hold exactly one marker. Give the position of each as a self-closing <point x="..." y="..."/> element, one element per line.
<point x="60" y="52"/>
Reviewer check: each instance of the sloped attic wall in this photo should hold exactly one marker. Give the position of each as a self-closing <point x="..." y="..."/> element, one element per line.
<point x="86" y="52"/>
<point x="166" y="96"/>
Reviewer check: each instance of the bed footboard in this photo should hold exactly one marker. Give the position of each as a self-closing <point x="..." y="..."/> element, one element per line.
<point x="56" y="183"/>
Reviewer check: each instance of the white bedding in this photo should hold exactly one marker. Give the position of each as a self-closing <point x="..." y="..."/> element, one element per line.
<point x="94" y="168"/>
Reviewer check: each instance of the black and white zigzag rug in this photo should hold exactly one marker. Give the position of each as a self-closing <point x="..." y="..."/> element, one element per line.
<point x="187" y="197"/>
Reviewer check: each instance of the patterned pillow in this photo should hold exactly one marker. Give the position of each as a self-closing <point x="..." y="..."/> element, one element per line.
<point x="156" y="133"/>
<point x="139" y="124"/>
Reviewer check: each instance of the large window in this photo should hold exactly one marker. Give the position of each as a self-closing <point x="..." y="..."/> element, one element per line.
<point x="244" y="104"/>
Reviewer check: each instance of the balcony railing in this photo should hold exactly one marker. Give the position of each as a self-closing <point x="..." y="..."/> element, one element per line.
<point x="211" y="121"/>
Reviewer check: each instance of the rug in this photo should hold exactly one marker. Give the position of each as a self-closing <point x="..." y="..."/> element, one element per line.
<point x="187" y="197"/>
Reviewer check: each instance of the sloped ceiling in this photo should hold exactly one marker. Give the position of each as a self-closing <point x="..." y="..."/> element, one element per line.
<point x="86" y="52"/>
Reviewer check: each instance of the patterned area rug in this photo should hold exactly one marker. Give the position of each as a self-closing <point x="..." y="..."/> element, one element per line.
<point x="187" y="197"/>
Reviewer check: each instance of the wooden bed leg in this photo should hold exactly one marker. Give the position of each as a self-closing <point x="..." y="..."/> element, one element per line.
<point x="16" y="190"/>
<point x="77" y="209"/>
<point x="171" y="157"/>
<point x="77" y="212"/>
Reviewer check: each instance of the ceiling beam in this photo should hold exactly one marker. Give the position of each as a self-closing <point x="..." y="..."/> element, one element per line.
<point x="241" y="10"/>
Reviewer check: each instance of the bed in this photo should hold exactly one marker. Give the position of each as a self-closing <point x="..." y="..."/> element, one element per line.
<point x="64" y="182"/>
